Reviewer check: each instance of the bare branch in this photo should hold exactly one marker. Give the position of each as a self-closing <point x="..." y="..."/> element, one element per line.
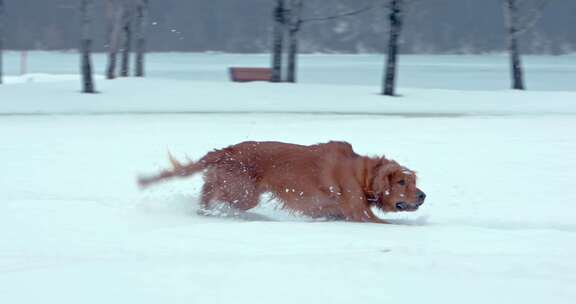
<point x="294" y="12"/>
<point x="532" y="16"/>
<point x="346" y="14"/>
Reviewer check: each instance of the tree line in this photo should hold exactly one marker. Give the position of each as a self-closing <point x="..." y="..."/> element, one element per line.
<point x="436" y="27"/>
<point x="519" y="15"/>
<point x="126" y="22"/>
<point x="124" y="19"/>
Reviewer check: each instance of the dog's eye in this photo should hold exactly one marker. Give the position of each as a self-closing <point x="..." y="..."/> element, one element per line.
<point x="402" y="183"/>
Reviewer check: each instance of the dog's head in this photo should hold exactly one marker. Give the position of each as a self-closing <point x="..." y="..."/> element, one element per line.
<point x="393" y="188"/>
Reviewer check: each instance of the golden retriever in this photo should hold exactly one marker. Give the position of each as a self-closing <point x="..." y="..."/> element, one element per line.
<point x="327" y="180"/>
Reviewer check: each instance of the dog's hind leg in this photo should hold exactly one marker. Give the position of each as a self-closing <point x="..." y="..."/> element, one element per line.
<point x="245" y="196"/>
<point x="208" y="195"/>
<point x="238" y="191"/>
<point x="210" y="191"/>
<point x="221" y="186"/>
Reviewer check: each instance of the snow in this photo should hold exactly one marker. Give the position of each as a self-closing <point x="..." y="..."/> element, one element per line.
<point x="178" y="96"/>
<point x="498" y="225"/>
<point x="43" y="77"/>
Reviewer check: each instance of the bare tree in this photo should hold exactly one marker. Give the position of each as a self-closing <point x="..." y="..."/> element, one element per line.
<point x="1" y="37"/>
<point x="279" y="15"/>
<point x="141" y="21"/>
<point x="114" y="13"/>
<point x="86" y="46"/>
<point x="511" y="15"/>
<point x="395" y="16"/>
<point x="126" y="39"/>
<point x="295" y="21"/>
<point x="520" y="15"/>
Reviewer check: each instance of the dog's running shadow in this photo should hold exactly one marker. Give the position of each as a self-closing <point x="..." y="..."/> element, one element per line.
<point x="237" y="215"/>
<point x="247" y="216"/>
<point x="420" y="221"/>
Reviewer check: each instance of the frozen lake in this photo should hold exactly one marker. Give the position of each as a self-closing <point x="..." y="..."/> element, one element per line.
<point x="454" y="72"/>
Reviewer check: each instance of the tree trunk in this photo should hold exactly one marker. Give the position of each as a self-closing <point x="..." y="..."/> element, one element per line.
<point x="395" y="19"/>
<point x="111" y="68"/>
<point x="127" y="39"/>
<point x="292" y="56"/>
<point x="294" y="24"/>
<point x="1" y="38"/>
<point x="86" y="47"/>
<point x="114" y="15"/>
<point x="278" y="38"/>
<point x="512" y="16"/>
<point x="141" y="13"/>
<point x="516" y="65"/>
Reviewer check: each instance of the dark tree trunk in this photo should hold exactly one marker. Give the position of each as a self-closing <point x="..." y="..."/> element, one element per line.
<point x="277" y="41"/>
<point x="86" y="47"/>
<point x="516" y="65"/>
<point x="141" y="13"/>
<point x="87" y="81"/>
<point x="127" y="47"/>
<point x="111" y="68"/>
<point x="511" y="13"/>
<point x="114" y="15"/>
<point x="294" y="24"/>
<point x="140" y="53"/>
<point x="395" y="20"/>
<point x="292" y="56"/>
<point x="1" y="38"/>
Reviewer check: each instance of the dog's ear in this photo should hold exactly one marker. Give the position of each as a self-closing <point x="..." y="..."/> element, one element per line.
<point x="384" y="170"/>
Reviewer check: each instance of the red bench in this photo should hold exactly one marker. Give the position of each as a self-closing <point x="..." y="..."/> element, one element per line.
<point x="250" y="74"/>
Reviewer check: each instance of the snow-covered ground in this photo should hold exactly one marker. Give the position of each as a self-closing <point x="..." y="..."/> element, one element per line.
<point x="499" y="224"/>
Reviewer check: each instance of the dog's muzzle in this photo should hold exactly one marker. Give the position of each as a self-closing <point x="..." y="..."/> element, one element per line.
<point x="404" y="206"/>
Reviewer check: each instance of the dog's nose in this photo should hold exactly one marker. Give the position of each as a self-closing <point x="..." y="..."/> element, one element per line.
<point x="421" y="196"/>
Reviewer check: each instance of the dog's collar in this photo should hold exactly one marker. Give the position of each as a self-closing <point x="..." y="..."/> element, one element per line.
<point x="366" y="177"/>
<point x="370" y="176"/>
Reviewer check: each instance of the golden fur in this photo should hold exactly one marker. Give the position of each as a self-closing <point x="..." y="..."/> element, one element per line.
<point x="324" y="180"/>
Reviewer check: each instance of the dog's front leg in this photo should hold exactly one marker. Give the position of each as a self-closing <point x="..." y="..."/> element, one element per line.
<point x="355" y="207"/>
<point x="366" y="215"/>
<point x="372" y="218"/>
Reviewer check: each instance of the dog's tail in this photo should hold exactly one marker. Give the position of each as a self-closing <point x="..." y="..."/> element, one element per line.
<point x="178" y="170"/>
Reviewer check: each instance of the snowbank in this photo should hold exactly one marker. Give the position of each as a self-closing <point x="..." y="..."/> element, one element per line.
<point x="176" y="96"/>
